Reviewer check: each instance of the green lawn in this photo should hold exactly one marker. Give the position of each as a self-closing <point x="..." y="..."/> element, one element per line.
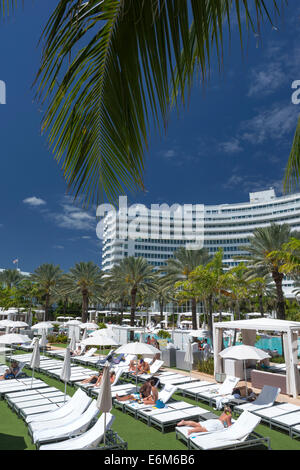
<point x="14" y="436"/>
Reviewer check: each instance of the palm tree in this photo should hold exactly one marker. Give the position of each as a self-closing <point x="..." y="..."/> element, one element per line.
<point x="110" y="67"/>
<point x="210" y="283"/>
<point x="135" y="275"/>
<point x="179" y="269"/>
<point x="163" y="294"/>
<point x="239" y="286"/>
<point x="10" y="278"/>
<point x="46" y="277"/>
<point x="85" y="279"/>
<point x="260" y="256"/>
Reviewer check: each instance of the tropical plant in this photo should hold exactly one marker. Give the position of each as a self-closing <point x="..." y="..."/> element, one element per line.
<point x="262" y="254"/>
<point x="163" y="294"/>
<point x="261" y="287"/>
<point x="134" y="275"/>
<point x="10" y="277"/>
<point x="239" y="285"/>
<point x="46" y="278"/>
<point x="109" y="68"/>
<point x="85" y="279"/>
<point x="178" y="270"/>
<point x="210" y="283"/>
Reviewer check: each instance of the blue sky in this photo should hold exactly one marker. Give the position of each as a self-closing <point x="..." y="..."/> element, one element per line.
<point x="232" y="138"/>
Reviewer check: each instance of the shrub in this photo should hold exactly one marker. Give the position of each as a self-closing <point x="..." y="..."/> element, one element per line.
<point x="101" y="325"/>
<point x="163" y="334"/>
<point x="207" y="367"/>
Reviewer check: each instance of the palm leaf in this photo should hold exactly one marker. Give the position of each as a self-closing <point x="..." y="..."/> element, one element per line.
<point x="112" y="68"/>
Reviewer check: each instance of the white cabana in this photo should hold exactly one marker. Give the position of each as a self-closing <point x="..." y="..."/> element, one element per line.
<point x="248" y="328"/>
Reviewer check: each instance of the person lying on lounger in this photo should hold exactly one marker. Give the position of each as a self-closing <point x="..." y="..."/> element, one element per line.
<point x="144" y="392"/>
<point x="210" y="425"/>
<point x="132" y="365"/>
<point x="93" y="379"/>
<point x="111" y="378"/>
<point x="77" y="352"/>
<point x="11" y="372"/>
<point x="142" y="368"/>
<point x="153" y="396"/>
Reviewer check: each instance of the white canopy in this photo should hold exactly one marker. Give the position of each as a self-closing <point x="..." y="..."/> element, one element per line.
<point x="249" y="328"/>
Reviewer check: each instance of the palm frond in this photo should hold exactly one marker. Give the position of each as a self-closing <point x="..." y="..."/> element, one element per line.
<point x="292" y="172"/>
<point x="120" y="81"/>
<point x="112" y="68"/>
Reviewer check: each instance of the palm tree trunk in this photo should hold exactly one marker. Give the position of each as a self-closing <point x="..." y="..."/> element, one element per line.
<point x="210" y="318"/>
<point x="132" y="312"/>
<point x="85" y="305"/>
<point x="47" y="301"/>
<point x="194" y="314"/>
<point x="261" y="305"/>
<point x="161" y="308"/>
<point x="278" y="277"/>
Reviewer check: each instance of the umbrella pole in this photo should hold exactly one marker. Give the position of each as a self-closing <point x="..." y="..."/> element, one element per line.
<point x="65" y="392"/>
<point x="32" y="377"/>
<point x="104" y="428"/>
<point x="245" y="373"/>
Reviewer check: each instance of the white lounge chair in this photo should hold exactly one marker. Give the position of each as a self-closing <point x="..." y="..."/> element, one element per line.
<point x="233" y="437"/>
<point x="267" y="414"/>
<point x="167" y="420"/>
<point x="89" y="440"/>
<point x="287" y="421"/>
<point x="191" y="389"/>
<point x="79" y="396"/>
<point x="148" y="413"/>
<point x="265" y="399"/>
<point x="71" y="429"/>
<point x="154" y="368"/>
<point x="74" y="413"/>
<point x="218" y="390"/>
<point x="164" y="395"/>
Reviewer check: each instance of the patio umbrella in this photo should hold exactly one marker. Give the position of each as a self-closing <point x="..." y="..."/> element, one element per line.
<point x="137" y="348"/>
<point x="35" y="358"/>
<point x="243" y="353"/>
<point x="84" y="336"/>
<point x="99" y="340"/>
<point x="14" y="338"/>
<point x="201" y="333"/>
<point x="189" y="358"/>
<point x="42" y="325"/>
<point x="104" y="400"/>
<point x="73" y="342"/>
<point x="74" y="323"/>
<point x="43" y="341"/>
<point x="66" y="369"/>
<point x="102" y="332"/>
<point x="7" y="324"/>
<point x="89" y="326"/>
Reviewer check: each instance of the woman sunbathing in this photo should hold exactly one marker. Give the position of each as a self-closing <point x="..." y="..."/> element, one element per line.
<point x="93" y="379"/>
<point x="210" y="425"/>
<point x="153" y="396"/>
<point x="11" y="372"/>
<point x="144" y="392"/>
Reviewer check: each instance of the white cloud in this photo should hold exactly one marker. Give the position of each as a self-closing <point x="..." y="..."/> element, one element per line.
<point x="232" y="146"/>
<point x="267" y="79"/>
<point x="34" y="201"/>
<point x="72" y="217"/>
<point x="169" y="153"/>
<point x="58" y="247"/>
<point x="272" y="123"/>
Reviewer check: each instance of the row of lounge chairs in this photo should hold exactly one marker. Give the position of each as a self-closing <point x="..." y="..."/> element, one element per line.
<point x="56" y="422"/>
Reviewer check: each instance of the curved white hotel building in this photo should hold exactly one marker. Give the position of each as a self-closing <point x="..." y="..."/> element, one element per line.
<point x="228" y="226"/>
